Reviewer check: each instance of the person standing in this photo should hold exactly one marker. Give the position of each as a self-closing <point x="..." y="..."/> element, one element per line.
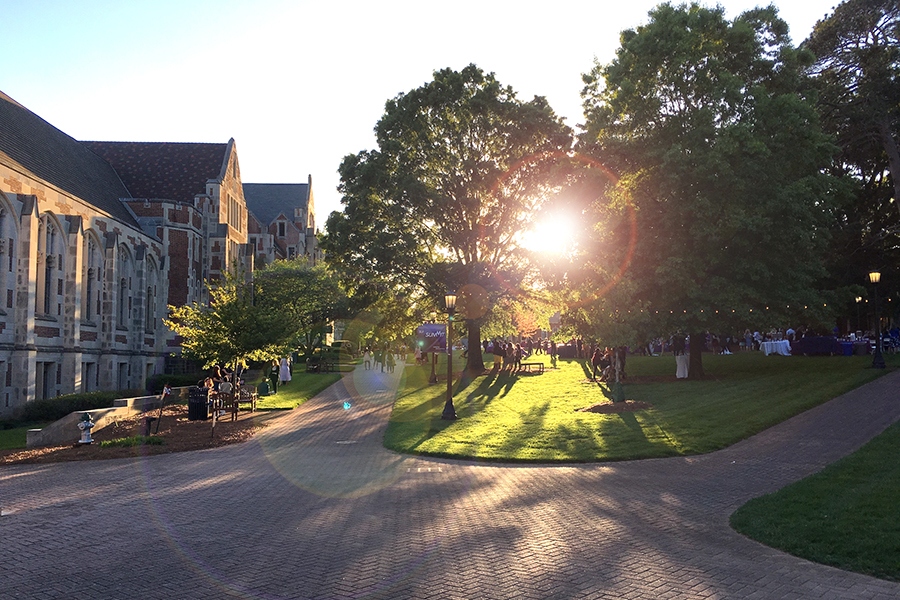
<point x="681" y="359"/>
<point x="273" y="376"/>
<point x="367" y="359"/>
<point x="284" y="371"/>
<point x="596" y="360"/>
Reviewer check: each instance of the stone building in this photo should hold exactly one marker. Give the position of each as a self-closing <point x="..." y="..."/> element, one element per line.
<point x="282" y="221"/>
<point x="97" y="238"/>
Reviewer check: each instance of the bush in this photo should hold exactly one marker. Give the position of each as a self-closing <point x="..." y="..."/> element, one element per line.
<point x="52" y="409"/>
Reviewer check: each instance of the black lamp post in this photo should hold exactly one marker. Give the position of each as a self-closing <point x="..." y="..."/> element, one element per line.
<point x="878" y="358"/>
<point x="449" y="413"/>
<point x="433" y="378"/>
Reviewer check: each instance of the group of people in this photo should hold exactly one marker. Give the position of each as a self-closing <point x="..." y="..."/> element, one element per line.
<point x="218" y="378"/>
<point x="508" y="356"/>
<point x="385" y="358"/>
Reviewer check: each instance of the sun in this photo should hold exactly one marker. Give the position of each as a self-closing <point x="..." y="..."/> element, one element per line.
<point x="554" y="233"/>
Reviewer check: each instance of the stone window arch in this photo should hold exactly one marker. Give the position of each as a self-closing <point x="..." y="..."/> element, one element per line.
<point x="51" y="260"/>
<point x="151" y="300"/>
<point x="9" y="235"/>
<point x="92" y="278"/>
<point x="124" y="283"/>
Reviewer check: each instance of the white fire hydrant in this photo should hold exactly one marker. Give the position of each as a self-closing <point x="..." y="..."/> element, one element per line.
<point x="85" y="425"/>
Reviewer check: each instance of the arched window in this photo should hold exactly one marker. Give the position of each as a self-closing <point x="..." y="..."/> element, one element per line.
<point x="150" y="299"/>
<point x="125" y="275"/>
<point x="92" y="279"/>
<point x="49" y="269"/>
<point x="8" y="236"/>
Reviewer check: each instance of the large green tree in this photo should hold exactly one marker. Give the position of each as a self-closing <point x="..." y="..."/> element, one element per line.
<point x="857" y="70"/>
<point x="306" y="298"/>
<point x="856" y="75"/>
<point x="461" y="168"/>
<point x="717" y="220"/>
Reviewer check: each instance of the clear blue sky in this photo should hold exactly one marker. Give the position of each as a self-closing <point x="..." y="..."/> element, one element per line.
<point x="297" y="84"/>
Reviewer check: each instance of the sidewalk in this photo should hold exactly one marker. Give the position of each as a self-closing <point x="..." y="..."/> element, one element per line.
<point x="317" y="508"/>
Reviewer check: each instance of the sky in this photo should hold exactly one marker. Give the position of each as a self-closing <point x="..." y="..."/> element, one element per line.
<point x="299" y="84"/>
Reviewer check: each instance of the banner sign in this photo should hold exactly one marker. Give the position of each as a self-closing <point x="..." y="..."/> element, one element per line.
<point x="431" y="337"/>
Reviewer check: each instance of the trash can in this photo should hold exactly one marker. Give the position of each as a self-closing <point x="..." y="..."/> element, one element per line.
<point x="847" y="348"/>
<point x="263" y="388"/>
<point x="198" y="404"/>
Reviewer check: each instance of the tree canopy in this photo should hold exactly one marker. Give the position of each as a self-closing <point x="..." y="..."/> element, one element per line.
<point x="462" y="166"/>
<point x="856" y="76"/>
<point x="719" y="206"/>
<point x="283" y="307"/>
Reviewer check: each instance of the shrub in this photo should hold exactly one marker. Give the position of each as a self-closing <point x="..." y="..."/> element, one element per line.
<point x="52" y="409"/>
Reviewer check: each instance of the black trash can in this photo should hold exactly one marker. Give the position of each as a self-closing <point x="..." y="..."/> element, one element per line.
<point x="198" y="404"/>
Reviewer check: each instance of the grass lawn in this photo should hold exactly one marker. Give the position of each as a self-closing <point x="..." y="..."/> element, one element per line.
<point x="302" y="387"/>
<point x="534" y="418"/>
<point x="845" y="516"/>
<point x="10" y="439"/>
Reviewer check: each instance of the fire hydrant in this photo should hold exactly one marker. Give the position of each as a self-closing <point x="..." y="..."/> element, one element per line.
<point x="85" y="425"/>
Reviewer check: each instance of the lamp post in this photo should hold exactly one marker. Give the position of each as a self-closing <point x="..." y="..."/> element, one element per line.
<point x="878" y="358"/>
<point x="449" y="413"/>
<point x="433" y="378"/>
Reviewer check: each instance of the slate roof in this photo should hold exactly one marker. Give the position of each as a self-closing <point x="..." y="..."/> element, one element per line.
<point x="60" y="160"/>
<point x="164" y="170"/>
<point x="267" y="200"/>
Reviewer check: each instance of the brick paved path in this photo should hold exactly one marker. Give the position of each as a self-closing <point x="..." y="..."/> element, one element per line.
<point x="316" y="508"/>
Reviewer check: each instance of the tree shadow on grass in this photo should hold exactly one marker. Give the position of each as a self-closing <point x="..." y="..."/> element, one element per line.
<point x="494" y="385"/>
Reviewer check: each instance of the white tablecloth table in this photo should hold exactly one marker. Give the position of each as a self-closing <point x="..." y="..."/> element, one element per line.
<point x="782" y="347"/>
<point x="682" y="362"/>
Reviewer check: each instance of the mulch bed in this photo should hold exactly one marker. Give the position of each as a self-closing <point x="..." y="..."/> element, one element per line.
<point x="608" y="408"/>
<point x="177" y="434"/>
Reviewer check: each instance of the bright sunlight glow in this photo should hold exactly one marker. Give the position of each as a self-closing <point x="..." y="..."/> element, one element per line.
<point x="553" y="233"/>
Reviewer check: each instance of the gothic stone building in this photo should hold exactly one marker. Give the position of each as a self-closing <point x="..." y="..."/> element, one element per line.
<point x="97" y="238"/>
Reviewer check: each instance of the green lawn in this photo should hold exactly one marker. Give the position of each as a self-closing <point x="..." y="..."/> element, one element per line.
<point x="846" y="516"/>
<point x="302" y="387"/>
<point x="534" y="418"/>
<point x="11" y="439"/>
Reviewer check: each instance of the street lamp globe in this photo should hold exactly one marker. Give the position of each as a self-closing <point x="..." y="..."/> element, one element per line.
<point x="878" y="357"/>
<point x="450" y="302"/>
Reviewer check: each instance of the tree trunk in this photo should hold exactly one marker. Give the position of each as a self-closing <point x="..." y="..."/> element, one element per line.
<point x="695" y="367"/>
<point x="475" y="359"/>
<point x="890" y="148"/>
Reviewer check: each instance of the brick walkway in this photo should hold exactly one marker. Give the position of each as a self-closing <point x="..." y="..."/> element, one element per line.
<point x="315" y="508"/>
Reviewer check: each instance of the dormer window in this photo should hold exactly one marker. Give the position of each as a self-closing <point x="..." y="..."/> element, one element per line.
<point x="282" y="229"/>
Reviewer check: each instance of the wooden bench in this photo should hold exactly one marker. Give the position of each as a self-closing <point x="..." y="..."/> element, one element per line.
<point x="247" y="395"/>
<point x="528" y="366"/>
<point x="230" y="403"/>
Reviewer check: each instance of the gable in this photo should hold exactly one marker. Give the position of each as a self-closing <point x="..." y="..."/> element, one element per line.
<point x="268" y="200"/>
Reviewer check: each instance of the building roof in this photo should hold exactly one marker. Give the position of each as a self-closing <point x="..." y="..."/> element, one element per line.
<point x="164" y="170"/>
<point x="268" y="200"/>
<point x="60" y="160"/>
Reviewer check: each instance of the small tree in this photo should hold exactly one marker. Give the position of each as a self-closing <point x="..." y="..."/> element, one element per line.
<point x="231" y="330"/>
